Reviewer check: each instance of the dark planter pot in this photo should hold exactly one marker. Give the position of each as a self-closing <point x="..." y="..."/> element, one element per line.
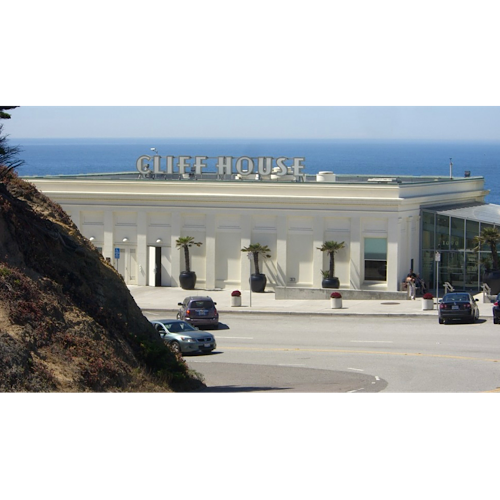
<point x="187" y="280"/>
<point x="258" y="283"/>
<point x="492" y="279"/>
<point x="330" y="283"/>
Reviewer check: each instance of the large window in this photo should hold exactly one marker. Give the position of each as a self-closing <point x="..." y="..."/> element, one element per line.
<point x="375" y="259"/>
<point x="453" y="237"/>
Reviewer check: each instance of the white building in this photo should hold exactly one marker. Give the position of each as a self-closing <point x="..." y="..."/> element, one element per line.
<point x="377" y="218"/>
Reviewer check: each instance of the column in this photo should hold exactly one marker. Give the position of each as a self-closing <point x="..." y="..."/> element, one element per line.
<point x="246" y="239"/>
<point x="108" y="246"/>
<point x="318" y="239"/>
<point x="393" y="240"/>
<point x="356" y="271"/>
<point x="210" y="256"/>
<point x="142" y="249"/>
<point x="176" y="233"/>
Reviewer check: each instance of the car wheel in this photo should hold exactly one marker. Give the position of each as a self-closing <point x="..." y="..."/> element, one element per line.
<point x="441" y="321"/>
<point x="175" y="346"/>
<point x="495" y="320"/>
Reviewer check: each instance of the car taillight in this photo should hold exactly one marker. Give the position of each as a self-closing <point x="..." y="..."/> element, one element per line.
<point x="495" y="304"/>
<point x="442" y="306"/>
<point x="467" y="306"/>
<point x="215" y="310"/>
<point x="188" y="312"/>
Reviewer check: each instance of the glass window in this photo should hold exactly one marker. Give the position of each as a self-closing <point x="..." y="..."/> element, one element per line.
<point x="375" y="259"/>
<point x="443" y="232"/>
<point x="428" y="230"/>
<point x="457" y="234"/>
<point x="471" y="231"/>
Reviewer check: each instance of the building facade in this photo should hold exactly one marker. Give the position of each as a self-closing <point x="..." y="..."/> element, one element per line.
<point x="135" y="222"/>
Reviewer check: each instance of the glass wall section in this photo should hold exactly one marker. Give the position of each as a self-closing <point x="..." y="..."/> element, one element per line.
<point x="428" y="269"/>
<point x="457" y="231"/>
<point x="471" y="231"/>
<point x="453" y="238"/>
<point x="443" y="232"/>
<point x="428" y="228"/>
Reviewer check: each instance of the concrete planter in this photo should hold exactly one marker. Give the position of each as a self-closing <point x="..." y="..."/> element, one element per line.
<point x="336" y="303"/>
<point x="427" y="304"/>
<point x="235" y="301"/>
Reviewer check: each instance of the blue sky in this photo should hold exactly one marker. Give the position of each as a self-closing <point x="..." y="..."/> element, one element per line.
<point x="304" y="122"/>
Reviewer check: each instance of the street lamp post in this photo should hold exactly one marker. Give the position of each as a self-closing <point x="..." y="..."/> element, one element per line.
<point x="437" y="258"/>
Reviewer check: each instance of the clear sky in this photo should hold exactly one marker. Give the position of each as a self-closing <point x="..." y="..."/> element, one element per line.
<point x="303" y="122"/>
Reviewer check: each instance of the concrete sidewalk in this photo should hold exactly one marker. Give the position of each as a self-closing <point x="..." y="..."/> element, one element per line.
<point x="167" y="298"/>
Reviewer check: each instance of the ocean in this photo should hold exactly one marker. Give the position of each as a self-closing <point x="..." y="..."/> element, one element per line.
<point x="391" y="158"/>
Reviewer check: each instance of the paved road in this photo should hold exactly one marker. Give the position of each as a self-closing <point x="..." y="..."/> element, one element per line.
<point x="283" y="353"/>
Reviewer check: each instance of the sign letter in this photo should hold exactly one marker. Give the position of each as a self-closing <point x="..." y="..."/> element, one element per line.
<point x="239" y="166"/>
<point x="198" y="164"/>
<point x="140" y="166"/>
<point x="225" y="165"/>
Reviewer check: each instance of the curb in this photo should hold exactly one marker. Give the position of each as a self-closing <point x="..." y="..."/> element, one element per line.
<point x="302" y="313"/>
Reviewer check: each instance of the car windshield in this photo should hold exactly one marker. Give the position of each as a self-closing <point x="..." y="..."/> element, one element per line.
<point x="456" y="297"/>
<point x="178" y="327"/>
<point x="201" y="304"/>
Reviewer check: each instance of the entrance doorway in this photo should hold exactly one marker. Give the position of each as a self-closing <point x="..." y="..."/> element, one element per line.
<point x="159" y="266"/>
<point x="125" y="263"/>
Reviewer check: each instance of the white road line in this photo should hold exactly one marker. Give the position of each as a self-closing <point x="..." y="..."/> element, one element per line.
<point x="379" y="341"/>
<point x="356" y="369"/>
<point x="219" y="337"/>
<point x="356" y="390"/>
<point x="377" y="378"/>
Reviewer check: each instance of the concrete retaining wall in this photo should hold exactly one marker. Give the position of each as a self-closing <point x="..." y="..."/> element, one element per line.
<point x="296" y="293"/>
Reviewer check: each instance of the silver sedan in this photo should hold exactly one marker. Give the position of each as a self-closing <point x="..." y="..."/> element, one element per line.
<point x="183" y="338"/>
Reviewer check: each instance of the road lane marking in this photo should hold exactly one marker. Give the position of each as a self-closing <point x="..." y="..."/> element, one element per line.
<point x="377" y="378"/>
<point x="348" y="351"/>
<point x="247" y="338"/>
<point x="356" y="369"/>
<point x="356" y="390"/>
<point x="379" y="341"/>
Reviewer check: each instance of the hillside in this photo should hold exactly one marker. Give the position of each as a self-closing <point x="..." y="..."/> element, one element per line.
<point x="67" y="321"/>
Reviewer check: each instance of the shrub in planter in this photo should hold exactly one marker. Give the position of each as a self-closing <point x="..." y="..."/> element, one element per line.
<point x="331" y="248"/>
<point x="427" y="302"/>
<point x="235" y="298"/>
<point x="187" y="278"/>
<point x="336" y="300"/>
<point x="257" y="280"/>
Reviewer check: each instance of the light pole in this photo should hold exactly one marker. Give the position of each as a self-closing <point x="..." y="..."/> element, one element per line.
<point x="437" y="258"/>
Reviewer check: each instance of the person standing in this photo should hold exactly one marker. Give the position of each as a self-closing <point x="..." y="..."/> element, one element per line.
<point x="412" y="288"/>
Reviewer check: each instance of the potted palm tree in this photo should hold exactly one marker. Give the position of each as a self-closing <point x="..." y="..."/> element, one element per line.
<point x="187" y="278"/>
<point x="257" y="279"/>
<point x="331" y="248"/>
<point x="490" y="236"/>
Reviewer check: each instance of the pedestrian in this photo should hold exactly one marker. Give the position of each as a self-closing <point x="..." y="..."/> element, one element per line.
<point x="412" y="288"/>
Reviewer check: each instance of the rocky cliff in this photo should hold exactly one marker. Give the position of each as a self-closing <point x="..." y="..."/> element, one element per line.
<point x="67" y="320"/>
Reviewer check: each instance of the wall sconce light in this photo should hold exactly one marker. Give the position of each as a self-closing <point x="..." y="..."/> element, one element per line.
<point x="125" y="239"/>
<point x="159" y="240"/>
<point x="91" y="238"/>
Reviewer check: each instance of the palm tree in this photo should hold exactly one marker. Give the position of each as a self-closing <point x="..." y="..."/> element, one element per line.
<point x="257" y="249"/>
<point x="489" y="236"/>
<point x="186" y="242"/>
<point x="331" y="248"/>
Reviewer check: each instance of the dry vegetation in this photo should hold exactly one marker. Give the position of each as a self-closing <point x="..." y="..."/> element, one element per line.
<point x="67" y="321"/>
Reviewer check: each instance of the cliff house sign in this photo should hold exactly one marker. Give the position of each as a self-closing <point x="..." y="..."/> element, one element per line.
<point x="226" y="165"/>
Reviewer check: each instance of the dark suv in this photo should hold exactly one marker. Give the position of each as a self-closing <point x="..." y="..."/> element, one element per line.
<point x="199" y="311"/>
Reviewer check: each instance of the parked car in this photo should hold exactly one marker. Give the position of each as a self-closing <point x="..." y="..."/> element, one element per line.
<point x="496" y="310"/>
<point x="458" y="306"/>
<point x="199" y="311"/>
<point x="184" y="338"/>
